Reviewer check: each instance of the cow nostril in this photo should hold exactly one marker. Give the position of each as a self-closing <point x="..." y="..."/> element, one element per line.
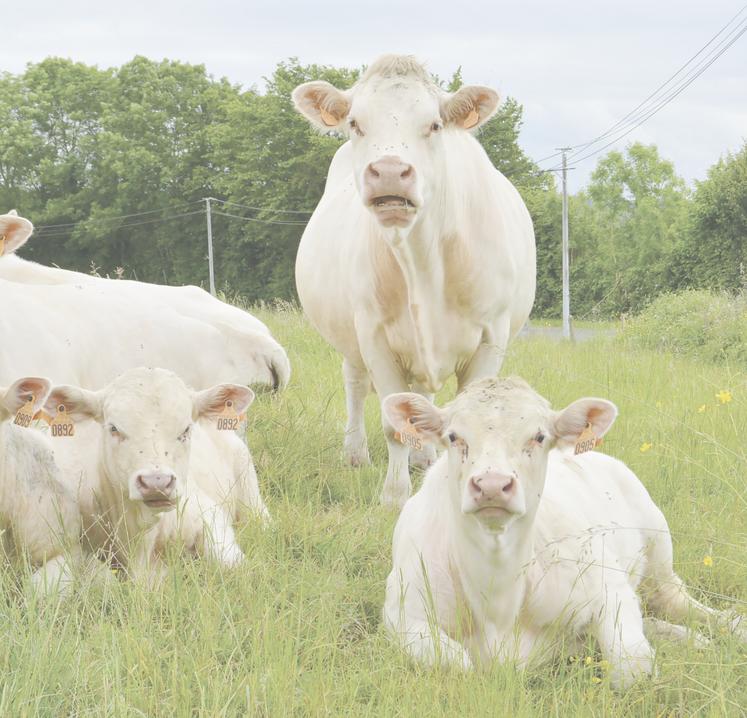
<point x="508" y="488"/>
<point x="172" y="482"/>
<point x="373" y="172"/>
<point x="406" y="173"/>
<point x="141" y="482"/>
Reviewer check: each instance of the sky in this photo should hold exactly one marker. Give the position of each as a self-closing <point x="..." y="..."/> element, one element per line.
<point x="577" y="67"/>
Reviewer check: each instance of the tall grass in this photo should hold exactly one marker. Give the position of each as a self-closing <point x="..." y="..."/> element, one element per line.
<point x="296" y="630"/>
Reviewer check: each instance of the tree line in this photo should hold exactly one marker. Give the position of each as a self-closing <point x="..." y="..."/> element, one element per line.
<point x="112" y="165"/>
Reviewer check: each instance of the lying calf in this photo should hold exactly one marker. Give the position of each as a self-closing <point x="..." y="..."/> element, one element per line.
<point x="510" y="544"/>
<point x="38" y="515"/>
<point x="146" y="470"/>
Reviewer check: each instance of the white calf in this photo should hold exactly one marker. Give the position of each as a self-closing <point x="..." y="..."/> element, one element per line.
<point x="148" y="471"/>
<point x="38" y="515"/>
<point x="510" y="544"/>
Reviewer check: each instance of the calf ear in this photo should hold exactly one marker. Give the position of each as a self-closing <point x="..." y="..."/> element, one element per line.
<point x="22" y="391"/>
<point x="212" y="402"/>
<point x="469" y="107"/>
<point x="15" y="230"/>
<point x="599" y="414"/>
<point x="321" y="104"/>
<point x="80" y="404"/>
<point x="414" y="414"/>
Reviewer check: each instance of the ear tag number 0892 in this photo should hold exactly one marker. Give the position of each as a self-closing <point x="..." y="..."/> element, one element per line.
<point x="228" y="419"/>
<point x="62" y="425"/>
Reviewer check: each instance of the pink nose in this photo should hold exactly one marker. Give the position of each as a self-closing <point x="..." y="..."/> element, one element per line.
<point x="492" y="488"/>
<point x="389" y="176"/>
<point x="155" y="486"/>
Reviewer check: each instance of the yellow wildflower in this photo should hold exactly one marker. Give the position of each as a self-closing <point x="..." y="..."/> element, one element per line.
<point x="724" y="396"/>
<point x="596" y="679"/>
<point x="645" y="446"/>
<point x="701" y="408"/>
<point x="588" y="660"/>
<point x="604" y="665"/>
<point x="708" y="561"/>
<point x="658" y="405"/>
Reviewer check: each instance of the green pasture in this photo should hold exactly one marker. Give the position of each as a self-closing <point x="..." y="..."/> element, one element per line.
<point x="296" y="630"/>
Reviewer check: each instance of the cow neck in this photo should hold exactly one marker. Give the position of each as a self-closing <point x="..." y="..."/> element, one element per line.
<point x="420" y="260"/>
<point x="491" y="567"/>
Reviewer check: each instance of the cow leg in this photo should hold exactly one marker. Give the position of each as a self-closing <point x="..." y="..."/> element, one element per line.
<point x="425" y="457"/>
<point x="429" y="645"/>
<point x="487" y="360"/>
<point x="656" y="628"/>
<point x="357" y="385"/>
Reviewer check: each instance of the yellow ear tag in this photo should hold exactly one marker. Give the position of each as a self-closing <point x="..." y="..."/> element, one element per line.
<point x="471" y="119"/>
<point x="328" y="118"/>
<point x="229" y="419"/>
<point x="25" y="414"/>
<point x="62" y="425"/>
<point x="409" y="437"/>
<point x="586" y="441"/>
<point x="2" y="245"/>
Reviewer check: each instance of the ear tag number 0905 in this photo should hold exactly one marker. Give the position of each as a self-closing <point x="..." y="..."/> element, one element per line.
<point x="25" y="414"/>
<point x="228" y="419"/>
<point x="586" y="441"/>
<point x="409" y="437"/>
<point x="62" y="425"/>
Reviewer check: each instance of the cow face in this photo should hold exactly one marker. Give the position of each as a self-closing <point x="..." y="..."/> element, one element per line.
<point x="14" y="231"/>
<point x="397" y="120"/>
<point x="497" y="434"/>
<point x="147" y="418"/>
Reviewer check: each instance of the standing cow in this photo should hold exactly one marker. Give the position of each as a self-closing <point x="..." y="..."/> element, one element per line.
<point x="419" y="261"/>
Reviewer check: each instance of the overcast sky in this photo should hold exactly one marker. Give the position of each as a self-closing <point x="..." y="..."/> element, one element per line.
<point x="577" y="67"/>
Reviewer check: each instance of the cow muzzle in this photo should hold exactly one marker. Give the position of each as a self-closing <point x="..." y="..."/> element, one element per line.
<point x="390" y="191"/>
<point x="157" y="490"/>
<point x="492" y="496"/>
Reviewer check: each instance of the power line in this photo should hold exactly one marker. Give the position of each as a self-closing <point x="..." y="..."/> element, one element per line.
<point x="264" y="209"/>
<point x="260" y="221"/>
<point x="125" y="226"/>
<point x="653" y="103"/>
<point x="120" y="216"/>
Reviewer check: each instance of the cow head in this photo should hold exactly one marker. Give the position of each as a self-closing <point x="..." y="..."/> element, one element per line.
<point x="147" y="418"/>
<point x="20" y="393"/>
<point x="14" y="231"/>
<point x="396" y="118"/>
<point x="498" y="434"/>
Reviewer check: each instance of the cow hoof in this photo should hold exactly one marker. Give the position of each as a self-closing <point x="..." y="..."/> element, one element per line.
<point x="359" y="458"/>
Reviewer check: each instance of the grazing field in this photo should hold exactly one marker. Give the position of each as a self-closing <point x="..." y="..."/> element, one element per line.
<point x="296" y="630"/>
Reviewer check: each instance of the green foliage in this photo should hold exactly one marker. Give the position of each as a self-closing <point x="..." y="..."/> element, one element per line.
<point x="712" y="251"/>
<point x="296" y="631"/>
<point x="701" y="324"/>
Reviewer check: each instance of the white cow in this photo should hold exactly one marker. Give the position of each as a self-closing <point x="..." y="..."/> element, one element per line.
<point x="512" y="545"/>
<point x="240" y="330"/>
<point x="147" y="470"/>
<point x="419" y="261"/>
<point x="87" y="335"/>
<point x="38" y="515"/>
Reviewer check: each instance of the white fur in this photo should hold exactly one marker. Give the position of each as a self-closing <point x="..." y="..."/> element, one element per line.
<point x="133" y="426"/>
<point x="584" y="541"/>
<point x="243" y="349"/>
<point x="38" y="515"/>
<point x="408" y="306"/>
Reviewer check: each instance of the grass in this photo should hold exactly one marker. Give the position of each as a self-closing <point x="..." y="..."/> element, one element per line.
<point x="296" y="631"/>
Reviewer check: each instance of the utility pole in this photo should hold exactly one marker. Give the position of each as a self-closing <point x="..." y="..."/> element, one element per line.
<point x="211" y="269"/>
<point x="566" y="261"/>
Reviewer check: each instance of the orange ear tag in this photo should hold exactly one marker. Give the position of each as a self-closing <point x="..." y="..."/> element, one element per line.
<point x="328" y="118"/>
<point x="471" y="119"/>
<point x="586" y="441"/>
<point x="25" y="414"/>
<point x="228" y="419"/>
<point x="2" y="245"/>
<point x="409" y="437"/>
<point x="62" y="425"/>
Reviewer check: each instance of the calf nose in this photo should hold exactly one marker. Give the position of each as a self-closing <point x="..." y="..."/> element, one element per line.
<point x="389" y="176"/>
<point x="155" y="485"/>
<point x="492" y="487"/>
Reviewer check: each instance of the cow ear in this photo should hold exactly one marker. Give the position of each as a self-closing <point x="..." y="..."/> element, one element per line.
<point x="410" y="413"/>
<point x="14" y="231"/>
<point x="469" y="107"/>
<point x="322" y="104"/>
<point x="598" y="414"/>
<point x="20" y="393"/>
<point x="80" y="404"/>
<point x="214" y="401"/>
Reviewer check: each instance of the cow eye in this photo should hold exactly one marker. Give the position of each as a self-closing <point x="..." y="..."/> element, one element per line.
<point x="540" y="437"/>
<point x="436" y="126"/>
<point x="453" y="438"/>
<point x="185" y="434"/>
<point x="115" y="432"/>
<point x="354" y="126"/>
